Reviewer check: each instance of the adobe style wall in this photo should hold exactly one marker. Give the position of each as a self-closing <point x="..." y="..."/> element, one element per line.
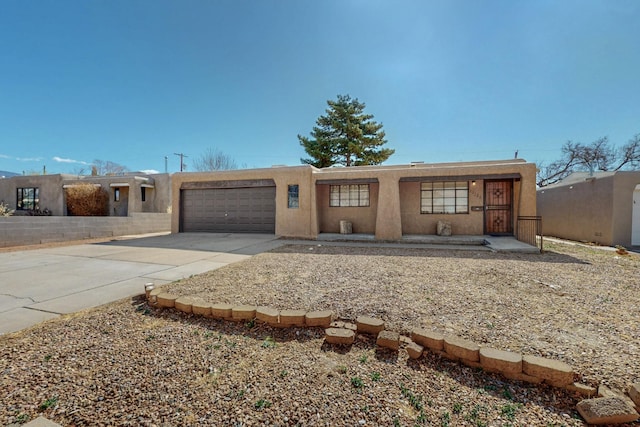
<point x="394" y="194"/>
<point x="567" y="212"/>
<point x="158" y="192"/>
<point x="363" y="219"/>
<point x="50" y="191"/>
<point x="413" y="222"/>
<point x="397" y="211"/>
<point x="594" y="209"/>
<point x="624" y="184"/>
<point x="30" y="230"/>
<point x="299" y="222"/>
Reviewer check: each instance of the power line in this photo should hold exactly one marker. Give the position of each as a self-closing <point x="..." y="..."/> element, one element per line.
<point x="182" y="156"/>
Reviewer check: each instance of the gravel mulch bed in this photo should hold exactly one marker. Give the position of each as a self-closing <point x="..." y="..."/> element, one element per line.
<point x="128" y="364"/>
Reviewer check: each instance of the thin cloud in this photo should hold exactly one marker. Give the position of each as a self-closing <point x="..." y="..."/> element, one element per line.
<point x="4" y="156"/>
<point x="29" y="159"/>
<point x="63" y="160"/>
<point x="149" y="171"/>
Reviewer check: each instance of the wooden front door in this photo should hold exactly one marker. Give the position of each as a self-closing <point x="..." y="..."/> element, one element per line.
<point x="498" y="200"/>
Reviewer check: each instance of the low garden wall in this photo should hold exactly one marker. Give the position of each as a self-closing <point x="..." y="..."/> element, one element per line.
<point x="611" y="407"/>
<point x="29" y="230"/>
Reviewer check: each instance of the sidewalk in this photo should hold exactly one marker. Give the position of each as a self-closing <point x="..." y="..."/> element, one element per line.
<point x="458" y="242"/>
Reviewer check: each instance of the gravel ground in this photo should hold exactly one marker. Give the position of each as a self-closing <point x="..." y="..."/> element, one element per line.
<point x="128" y="364"/>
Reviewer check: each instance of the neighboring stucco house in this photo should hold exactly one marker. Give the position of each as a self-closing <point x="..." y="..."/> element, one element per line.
<point x="388" y="202"/>
<point x="130" y="193"/>
<point x="600" y="207"/>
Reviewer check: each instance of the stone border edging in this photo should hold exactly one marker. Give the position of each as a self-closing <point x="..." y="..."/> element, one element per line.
<point x="511" y="365"/>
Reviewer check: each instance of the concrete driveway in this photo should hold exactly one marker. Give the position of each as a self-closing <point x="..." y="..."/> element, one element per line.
<point x="41" y="284"/>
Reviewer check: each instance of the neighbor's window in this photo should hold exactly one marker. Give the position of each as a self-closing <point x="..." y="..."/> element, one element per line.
<point x="116" y="194"/>
<point x="292" y="197"/>
<point x="444" y="197"/>
<point x="349" y="195"/>
<point x="28" y="199"/>
<point x="143" y="193"/>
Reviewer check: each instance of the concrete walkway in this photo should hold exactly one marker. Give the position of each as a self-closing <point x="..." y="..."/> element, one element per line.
<point x="41" y="284"/>
<point x="458" y="242"/>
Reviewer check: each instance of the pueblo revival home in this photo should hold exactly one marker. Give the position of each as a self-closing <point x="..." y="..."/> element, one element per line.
<point x="476" y="198"/>
<point x="127" y="193"/>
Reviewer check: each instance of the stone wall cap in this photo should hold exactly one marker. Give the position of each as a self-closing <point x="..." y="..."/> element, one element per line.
<point x="606" y="410"/>
<point x="551" y="363"/>
<point x="370" y="321"/>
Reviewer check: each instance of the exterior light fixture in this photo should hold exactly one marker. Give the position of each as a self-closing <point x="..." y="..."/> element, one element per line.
<point x="148" y="287"/>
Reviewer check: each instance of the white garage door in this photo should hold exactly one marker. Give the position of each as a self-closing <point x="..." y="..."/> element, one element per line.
<point x="229" y="210"/>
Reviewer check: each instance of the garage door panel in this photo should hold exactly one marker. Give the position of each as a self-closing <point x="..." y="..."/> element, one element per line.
<point x="232" y="210"/>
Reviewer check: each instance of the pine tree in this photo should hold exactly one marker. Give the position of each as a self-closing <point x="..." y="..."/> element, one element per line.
<point x="345" y="136"/>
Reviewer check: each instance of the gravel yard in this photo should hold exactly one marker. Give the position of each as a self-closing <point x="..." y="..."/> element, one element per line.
<point x="128" y="364"/>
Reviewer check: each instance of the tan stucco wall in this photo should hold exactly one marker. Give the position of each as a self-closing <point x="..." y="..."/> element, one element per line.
<point x="582" y="211"/>
<point x="298" y="222"/>
<point x="363" y="219"/>
<point x="52" y="195"/>
<point x="398" y="207"/>
<point x="394" y="196"/>
<point x="598" y="209"/>
<point x="413" y="222"/>
<point x="121" y="206"/>
<point x="159" y="198"/>
<point x="50" y="191"/>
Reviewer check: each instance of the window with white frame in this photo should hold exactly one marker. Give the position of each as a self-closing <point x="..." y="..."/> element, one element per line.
<point x="349" y="195"/>
<point x="444" y="197"/>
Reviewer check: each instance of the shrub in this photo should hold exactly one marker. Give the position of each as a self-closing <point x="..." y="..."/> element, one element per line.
<point x="87" y="200"/>
<point x="5" y="211"/>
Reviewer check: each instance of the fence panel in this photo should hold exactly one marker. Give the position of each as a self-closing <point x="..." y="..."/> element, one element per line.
<point x="529" y="230"/>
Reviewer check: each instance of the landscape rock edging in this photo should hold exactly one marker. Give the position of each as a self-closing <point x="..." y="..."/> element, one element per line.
<point x="511" y="365"/>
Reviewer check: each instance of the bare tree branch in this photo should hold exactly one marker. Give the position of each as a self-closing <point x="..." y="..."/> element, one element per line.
<point x="213" y="160"/>
<point x="630" y="154"/>
<point x="107" y="167"/>
<point x="599" y="155"/>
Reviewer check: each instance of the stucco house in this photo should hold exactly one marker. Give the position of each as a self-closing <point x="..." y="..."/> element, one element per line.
<point x="477" y="198"/>
<point x="130" y="193"/>
<point x="599" y="207"/>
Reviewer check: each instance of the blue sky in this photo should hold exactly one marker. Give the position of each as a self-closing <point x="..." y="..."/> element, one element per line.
<point x="133" y="81"/>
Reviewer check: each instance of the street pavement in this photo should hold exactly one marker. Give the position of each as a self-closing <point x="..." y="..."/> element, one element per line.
<point x="41" y="284"/>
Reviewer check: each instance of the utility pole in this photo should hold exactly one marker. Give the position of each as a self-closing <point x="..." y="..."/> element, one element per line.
<point x="166" y="159"/>
<point x="182" y="156"/>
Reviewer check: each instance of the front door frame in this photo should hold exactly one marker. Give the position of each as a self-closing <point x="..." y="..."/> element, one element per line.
<point x="498" y="207"/>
